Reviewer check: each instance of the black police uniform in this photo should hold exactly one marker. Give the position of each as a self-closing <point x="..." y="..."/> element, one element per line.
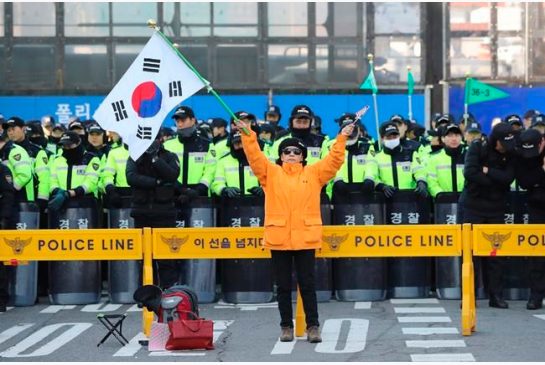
<point x="7" y="208"/>
<point x="152" y="178"/>
<point x="484" y="198"/>
<point x="531" y="176"/>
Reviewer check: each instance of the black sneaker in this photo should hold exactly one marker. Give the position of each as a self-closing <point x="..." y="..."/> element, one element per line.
<point x="497" y="302"/>
<point x="3" y="307"/>
<point x="534" y="303"/>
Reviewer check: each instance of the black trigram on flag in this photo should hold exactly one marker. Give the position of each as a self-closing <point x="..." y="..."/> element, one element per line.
<point x="143" y="132"/>
<point x="119" y="110"/>
<point x="175" y="88"/>
<point x="151" y="65"/>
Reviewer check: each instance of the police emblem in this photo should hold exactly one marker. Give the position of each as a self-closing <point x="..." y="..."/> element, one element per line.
<point x="17" y="157"/>
<point x="44" y="159"/>
<point x="95" y="166"/>
<point x="335" y="241"/>
<point x="174" y="243"/>
<point x="496" y="239"/>
<point x="17" y="244"/>
<point x="213" y="153"/>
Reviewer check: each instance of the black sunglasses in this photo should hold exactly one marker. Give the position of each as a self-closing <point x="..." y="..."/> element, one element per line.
<point x="288" y="151"/>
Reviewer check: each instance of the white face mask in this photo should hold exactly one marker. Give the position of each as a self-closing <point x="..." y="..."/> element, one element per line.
<point x="391" y="143"/>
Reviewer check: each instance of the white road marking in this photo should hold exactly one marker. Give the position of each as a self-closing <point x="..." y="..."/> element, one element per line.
<point x="540" y="316"/>
<point x="423" y="319"/>
<point x="57" y="308"/>
<point x="430" y="330"/>
<point x="283" y="348"/>
<point x="362" y="305"/>
<point x="355" y="340"/>
<point x="132" y="347"/>
<point x="75" y="330"/>
<point x="419" y="310"/>
<point x="428" y="344"/>
<point x="415" y="301"/>
<point x="442" y="357"/>
<point x="7" y="309"/>
<point x="100" y="307"/>
<point x="134" y="308"/>
<point x="14" y="331"/>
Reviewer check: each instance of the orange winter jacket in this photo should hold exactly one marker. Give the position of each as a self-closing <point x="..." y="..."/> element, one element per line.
<point x="292" y="195"/>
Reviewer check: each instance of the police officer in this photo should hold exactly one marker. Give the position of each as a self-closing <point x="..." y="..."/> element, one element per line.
<point x="538" y="122"/>
<point x="152" y="178"/>
<point x="196" y="155"/>
<point x="234" y="177"/>
<point x="53" y="140"/>
<point x="74" y="173"/>
<point x="273" y="116"/>
<point x="394" y="167"/>
<point x="40" y="160"/>
<point x="220" y="136"/>
<point x="76" y="125"/>
<point x="528" y="116"/>
<point x="300" y="127"/>
<point x="96" y="138"/>
<point x="515" y="121"/>
<point x="351" y="174"/>
<point x="114" y="178"/>
<point x="445" y="167"/>
<point x="18" y="161"/>
<point x="472" y="133"/>
<point x="489" y="171"/>
<point x="531" y="176"/>
<point x="7" y="208"/>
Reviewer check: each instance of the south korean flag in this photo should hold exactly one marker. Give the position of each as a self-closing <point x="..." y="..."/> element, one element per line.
<point x="156" y="82"/>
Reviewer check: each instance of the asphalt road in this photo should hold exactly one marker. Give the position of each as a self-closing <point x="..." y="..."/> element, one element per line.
<point x="393" y="330"/>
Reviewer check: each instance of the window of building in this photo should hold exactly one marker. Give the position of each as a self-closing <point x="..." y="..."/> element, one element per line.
<point x="287" y="19"/>
<point x="130" y="20"/>
<point x="2" y="19"/>
<point x="86" y="19"/>
<point x="33" y="19"/>
<point x="392" y="56"/>
<point x="195" y="19"/>
<point x="469" y="17"/>
<point x="392" y="18"/>
<point x="235" y="19"/>
<point x="197" y="55"/>
<point x="85" y="66"/>
<point x="124" y="56"/>
<point x="237" y="65"/>
<point x="470" y="55"/>
<point x="33" y="66"/>
<point x="288" y="63"/>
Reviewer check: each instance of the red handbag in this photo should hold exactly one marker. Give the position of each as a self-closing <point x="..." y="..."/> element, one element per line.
<point x="189" y="334"/>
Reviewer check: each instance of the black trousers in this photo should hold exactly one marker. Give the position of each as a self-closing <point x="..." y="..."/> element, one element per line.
<point x="536" y="265"/>
<point x="167" y="270"/>
<point x="493" y="266"/>
<point x="282" y="262"/>
<point x="3" y="284"/>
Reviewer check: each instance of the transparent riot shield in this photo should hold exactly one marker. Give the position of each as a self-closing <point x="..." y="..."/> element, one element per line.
<point x="360" y="279"/>
<point x="23" y="279"/>
<point x="200" y="275"/>
<point x="245" y="280"/>
<point x="74" y="282"/>
<point x="408" y="277"/>
<point x="123" y="276"/>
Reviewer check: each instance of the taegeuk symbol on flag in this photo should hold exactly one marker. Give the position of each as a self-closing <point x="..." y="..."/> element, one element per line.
<point x="156" y="82"/>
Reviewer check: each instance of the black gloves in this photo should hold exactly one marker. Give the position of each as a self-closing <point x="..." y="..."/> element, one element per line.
<point x="341" y="187"/>
<point x="388" y="190"/>
<point x="187" y="195"/>
<point x="422" y="189"/>
<point x="230" y="192"/>
<point x="56" y="202"/>
<point x="368" y="186"/>
<point x="113" y="197"/>
<point x="256" y="191"/>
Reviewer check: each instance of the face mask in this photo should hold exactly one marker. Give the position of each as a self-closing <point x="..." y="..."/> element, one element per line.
<point x="187" y="132"/>
<point x="54" y="140"/>
<point x="73" y="155"/>
<point x="40" y="141"/>
<point x="300" y="133"/>
<point x="436" y="147"/>
<point x="391" y="143"/>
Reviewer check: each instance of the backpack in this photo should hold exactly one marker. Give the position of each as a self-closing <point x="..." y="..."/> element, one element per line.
<point x="178" y="302"/>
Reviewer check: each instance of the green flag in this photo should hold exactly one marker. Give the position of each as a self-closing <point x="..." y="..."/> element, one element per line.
<point x="410" y="82"/>
<point x="477" y="92"/>
<point x="370" y="83"/>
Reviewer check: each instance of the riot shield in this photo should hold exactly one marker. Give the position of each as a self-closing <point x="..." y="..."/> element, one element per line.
<point x="245" y="280"/>
<point x="23" y="279"/>
<point x="516" y="277"/>
<point x="408" y="277"/>
<point x="200" y="275"/>
<point x="322" y="270"/>
<point x="75" y="282"/>
<point x="360" y="279"/>
<point x="123" y="276"/>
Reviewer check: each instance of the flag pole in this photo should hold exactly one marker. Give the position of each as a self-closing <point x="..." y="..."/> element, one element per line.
<point x="153" y="24"/>
<point x="466" y="100"/>
<point x="375" y="104"/>
<point x="410" y="98"/>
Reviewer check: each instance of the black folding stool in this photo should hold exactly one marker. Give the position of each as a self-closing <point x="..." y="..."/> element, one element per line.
<point x="113" y="327"/>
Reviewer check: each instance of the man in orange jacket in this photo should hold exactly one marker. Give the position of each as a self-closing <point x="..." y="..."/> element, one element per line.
<point x="293" y="223"/>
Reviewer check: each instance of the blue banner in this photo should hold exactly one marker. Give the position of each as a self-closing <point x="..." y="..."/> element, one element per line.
<point x="519" y="101"/>
<point x="328" y="107"/>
